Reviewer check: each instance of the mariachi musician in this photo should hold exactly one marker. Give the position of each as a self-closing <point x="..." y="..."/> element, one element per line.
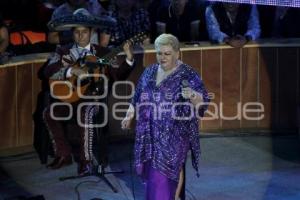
<point x="67" y="62"/>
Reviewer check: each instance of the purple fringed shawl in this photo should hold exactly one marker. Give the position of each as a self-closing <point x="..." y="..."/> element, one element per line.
<point x="161" y="139"/>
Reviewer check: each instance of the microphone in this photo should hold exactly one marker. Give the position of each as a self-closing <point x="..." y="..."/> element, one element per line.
<point x="185" y="83"/>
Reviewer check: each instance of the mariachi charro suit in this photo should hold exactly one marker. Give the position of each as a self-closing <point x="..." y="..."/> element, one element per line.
<point x="57" y="70"/>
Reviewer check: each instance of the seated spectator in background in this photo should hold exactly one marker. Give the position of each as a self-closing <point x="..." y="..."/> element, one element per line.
<point x="279" y="22"/>
<point x="131" y="20"/>
<point x="183" y="18"/>
<point x="44" y="12"/>
<point x="232" y="23"/>
<point x="153" y="11"/>
<point x="286" y="22"/>
<point x="26" y="23"/>
<point x="4" y="41"/>
<point x="266" y="17"/>
<point x="4" y="36"/>
<point x="68" y="8"/>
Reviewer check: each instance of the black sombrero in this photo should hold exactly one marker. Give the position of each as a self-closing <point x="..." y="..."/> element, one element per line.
<point x="80" y="17"/>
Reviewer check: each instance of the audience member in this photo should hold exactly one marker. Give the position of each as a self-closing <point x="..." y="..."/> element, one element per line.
<point x="152" y="7"/>
<point x="4" y="41"/>
<point x="131" y="20"/>
<point x="4" y="36"/>
<point x="284" y="23"/>
<point x="279" y="21"/>
<point x="183" y="18"/>
<point x="232" y="23"/>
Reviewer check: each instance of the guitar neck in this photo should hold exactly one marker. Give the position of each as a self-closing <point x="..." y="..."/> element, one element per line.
<point x="113" y="53"/>
<point x="118" y="49"/>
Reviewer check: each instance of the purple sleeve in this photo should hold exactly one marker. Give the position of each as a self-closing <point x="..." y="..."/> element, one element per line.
<point x="139" y="87"/>
<point x="197" y="84"/>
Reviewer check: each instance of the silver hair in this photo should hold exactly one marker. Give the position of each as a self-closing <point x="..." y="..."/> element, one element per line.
<point x="167" y="39"/>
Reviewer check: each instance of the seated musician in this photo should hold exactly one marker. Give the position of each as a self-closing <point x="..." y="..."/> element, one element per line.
<point x="61" y="66"/>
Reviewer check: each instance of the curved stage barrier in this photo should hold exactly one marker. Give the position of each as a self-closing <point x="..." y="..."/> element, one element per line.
<point x="255" y="88"/>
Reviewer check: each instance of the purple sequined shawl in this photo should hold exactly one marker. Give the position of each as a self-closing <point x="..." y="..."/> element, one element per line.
<point x="161" y="138"/>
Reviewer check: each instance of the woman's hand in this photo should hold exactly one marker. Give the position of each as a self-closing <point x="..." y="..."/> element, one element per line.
<point x="189" y="93"/>
<point x="126" y="123"/>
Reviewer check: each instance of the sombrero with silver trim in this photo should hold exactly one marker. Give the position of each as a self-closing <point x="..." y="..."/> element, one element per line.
<point x="80" y="17"/>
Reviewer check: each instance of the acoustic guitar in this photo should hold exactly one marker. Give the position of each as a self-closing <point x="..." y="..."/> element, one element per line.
<point x="72" y="89"/>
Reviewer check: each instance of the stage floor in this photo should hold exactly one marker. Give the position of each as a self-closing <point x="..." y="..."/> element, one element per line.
<point x="231" y="168"/>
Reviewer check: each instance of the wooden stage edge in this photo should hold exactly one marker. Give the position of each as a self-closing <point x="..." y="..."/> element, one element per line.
<point x="254" y="89"/>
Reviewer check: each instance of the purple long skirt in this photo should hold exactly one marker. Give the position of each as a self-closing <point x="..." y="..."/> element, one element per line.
<point x="157" y="185"/>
